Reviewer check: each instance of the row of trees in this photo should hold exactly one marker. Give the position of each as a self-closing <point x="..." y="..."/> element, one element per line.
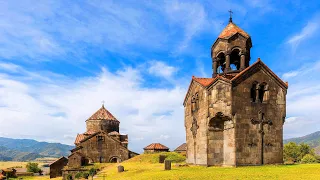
<point x="299" y="153"/>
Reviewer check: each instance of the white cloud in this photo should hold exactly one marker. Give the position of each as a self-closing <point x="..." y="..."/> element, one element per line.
<point x="57" y="110"/>
<point x="161" y="69"/>
<point x="307" y="32"/>
<point x="303" y="100"/>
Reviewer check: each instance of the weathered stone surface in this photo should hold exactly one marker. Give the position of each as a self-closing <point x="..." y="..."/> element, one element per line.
<point x="239" y="114"/>
<point x="56" y="167"/>
<point x="120" y="168"/>
<point x="167" y="164"/>
<point x="162" y="158"/>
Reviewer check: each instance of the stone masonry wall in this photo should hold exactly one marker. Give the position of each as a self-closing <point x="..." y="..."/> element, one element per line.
<point x="109" y="148"/>
<point x="220" y="143"/>
<point x="248" y="138"/>
<point x="197" y="147"/>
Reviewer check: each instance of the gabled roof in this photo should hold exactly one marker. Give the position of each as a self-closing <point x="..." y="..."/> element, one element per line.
<point x="230" y="30"/>
<point x="77" y="153"/>
<point x="102" y="114"/>
<point x="156" y="146"/>
<point x="89" y="132"/>
<point x="264" y="66"/>
<point x="205" y="82"/>
<point x="61" y="158"/>
<point x="79" y="138"/>
<point x="182" y="147"/>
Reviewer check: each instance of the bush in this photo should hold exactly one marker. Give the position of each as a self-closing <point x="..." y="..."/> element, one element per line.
<point x="294" y="152"/>
<point x="309" y="159"/>
<point x="33" y="167"/>
<point x="92" y="172"/>
<point x="85" y="175"/>
<point x="174" y="157"/>
<point x="78" y="175"/>
<point x="69" y="177"/>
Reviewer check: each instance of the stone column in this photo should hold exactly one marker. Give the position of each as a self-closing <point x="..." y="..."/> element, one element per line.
<point x="227" y="63"/>
<point x="214" y="67"/>
<point x="257" y="93"/>
<point x="242" y="61"/>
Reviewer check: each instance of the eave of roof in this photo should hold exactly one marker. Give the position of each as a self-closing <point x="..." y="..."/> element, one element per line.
<point x="156" y="146"/>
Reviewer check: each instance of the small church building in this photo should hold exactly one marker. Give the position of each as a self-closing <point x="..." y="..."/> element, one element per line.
<point x="102" y="141"/>
<point x="235" y="117"/>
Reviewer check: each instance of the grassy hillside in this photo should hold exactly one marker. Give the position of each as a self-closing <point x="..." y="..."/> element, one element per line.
<point x="144" y="167"/>
<point x="313" y="140"/>
<point x="27" y="149"/>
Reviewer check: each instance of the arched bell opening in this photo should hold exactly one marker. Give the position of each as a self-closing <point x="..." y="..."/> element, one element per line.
<point x="221" y="61"/>
<point x="235" y="60"/>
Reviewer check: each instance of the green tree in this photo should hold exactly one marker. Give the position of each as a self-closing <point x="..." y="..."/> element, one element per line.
<point x="291" y="152"/>
<point x="33" y="167"/>
<point x="92" y="172"/>
<point x="78" y="175"/>
<point x="304" y="150"/>
<point x="309" y="159"/>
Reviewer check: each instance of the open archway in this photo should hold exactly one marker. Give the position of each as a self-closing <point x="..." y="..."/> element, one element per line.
<point x="115" y="159"/>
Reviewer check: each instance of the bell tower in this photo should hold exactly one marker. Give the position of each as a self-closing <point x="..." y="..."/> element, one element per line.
<point x="230" y="53"/>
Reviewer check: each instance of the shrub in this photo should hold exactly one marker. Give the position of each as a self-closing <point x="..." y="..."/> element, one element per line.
<point x="33" y="167"/>
<point x="294" y="152"/>
<point x="85" y="175"/>
<point x="309" y="159"/>
<point x="174" y="157"/>
<point x="92" y="172"/>
<point x="78" y="175"/>
<point x="69" y="177"/>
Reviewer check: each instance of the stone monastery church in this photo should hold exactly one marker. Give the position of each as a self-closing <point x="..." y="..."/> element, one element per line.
<point x="102" y="141"/>
<point x="235" y="117"/>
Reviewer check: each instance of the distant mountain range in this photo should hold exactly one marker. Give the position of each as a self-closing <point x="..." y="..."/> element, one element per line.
<point x="313" y="140"/>
<point x="28" y="149"/>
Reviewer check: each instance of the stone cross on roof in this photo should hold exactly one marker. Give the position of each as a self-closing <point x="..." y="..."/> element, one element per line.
<point x="230" y="19"/>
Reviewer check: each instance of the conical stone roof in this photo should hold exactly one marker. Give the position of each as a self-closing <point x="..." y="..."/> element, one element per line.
<point x="103" y="114"/>
<point x="232" y="29"/>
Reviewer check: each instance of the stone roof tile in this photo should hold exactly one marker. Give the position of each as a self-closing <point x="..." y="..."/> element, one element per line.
<point x="182" y="147"/>
<point x="156" y="146"/>
<point x="102" y="114"/>
<point x="232" y="29"/>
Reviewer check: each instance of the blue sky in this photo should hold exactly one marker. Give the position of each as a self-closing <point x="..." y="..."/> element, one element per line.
<point x="59" y="60"/>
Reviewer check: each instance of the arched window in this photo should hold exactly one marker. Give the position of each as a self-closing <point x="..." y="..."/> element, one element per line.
<point x="263" y="92"/>
<point x="195" y="102"/>
<point x="253" y="92"/>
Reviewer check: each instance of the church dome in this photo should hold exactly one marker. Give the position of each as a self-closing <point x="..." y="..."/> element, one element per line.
<point x="102" y="114"/>
<point x="232" y="29"/>
<point x="102" y="120"/>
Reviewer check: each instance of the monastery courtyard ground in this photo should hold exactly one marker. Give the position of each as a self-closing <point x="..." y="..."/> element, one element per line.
<point x="145" y="167"/>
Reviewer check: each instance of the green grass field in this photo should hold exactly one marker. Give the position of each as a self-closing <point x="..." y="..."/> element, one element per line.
<point x="145" y="166"/>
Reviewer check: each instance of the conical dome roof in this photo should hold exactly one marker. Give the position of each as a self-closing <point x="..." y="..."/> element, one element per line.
<point x="232" y="29"/>
<point x="102" y="114"/>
